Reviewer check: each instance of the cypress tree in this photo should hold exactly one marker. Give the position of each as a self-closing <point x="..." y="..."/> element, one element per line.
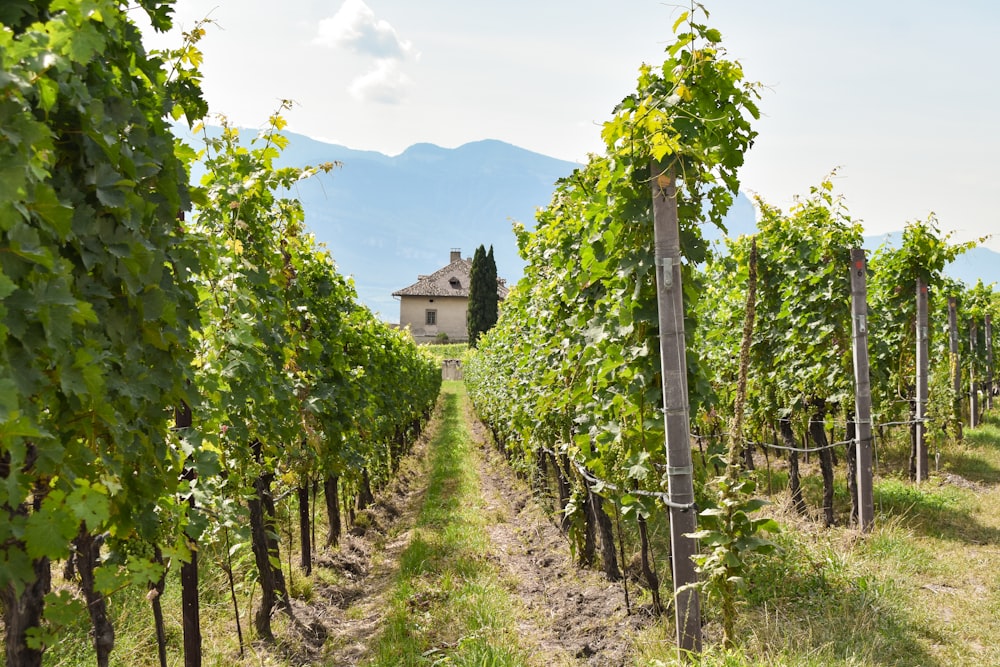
<point x="491" y="298"/>
<point x="484" y="301"/>
<point x="476" y="313"/>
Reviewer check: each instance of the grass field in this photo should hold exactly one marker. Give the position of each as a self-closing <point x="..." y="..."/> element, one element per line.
<point x="449" y="604"/>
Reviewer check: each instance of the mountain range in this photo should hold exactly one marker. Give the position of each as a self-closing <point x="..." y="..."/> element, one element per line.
<point x="388" y="219"/>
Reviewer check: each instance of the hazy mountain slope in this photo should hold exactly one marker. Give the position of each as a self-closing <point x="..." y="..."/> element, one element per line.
<point x="388" y="219"/>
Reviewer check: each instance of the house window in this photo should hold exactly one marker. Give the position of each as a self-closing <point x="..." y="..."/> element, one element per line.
<point x="430" y="316"/>
<point x="455" y="283"/>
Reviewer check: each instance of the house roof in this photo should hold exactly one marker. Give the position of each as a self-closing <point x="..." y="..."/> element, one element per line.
<point x="451" y="280"/>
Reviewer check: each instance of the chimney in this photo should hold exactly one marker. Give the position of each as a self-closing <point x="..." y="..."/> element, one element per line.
<point x="456" y="254"/>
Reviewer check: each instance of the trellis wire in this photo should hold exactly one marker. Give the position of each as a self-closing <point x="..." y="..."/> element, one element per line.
<point x="593" y="479"/>
<point x="808" y="450"/>
<point x="665" y="497"/>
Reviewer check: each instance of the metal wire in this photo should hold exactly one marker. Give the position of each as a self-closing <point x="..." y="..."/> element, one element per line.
<point x="808" y="450"/>
<point x="593" y="479"/>
<point x="665" y="497"/>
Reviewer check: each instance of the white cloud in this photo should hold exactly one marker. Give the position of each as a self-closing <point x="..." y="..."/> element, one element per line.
<point x="385" y="83"/>
<point x="355" y="26"/>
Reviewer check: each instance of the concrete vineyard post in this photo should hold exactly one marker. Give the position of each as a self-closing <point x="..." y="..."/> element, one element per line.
<point x="923" y="367"/>
<point x="956" y="368"/>
<point x="973" y="390"/>
<point x="988" y="340"/>
<point x="190" y="610"/>
<point x="673" y="360"/>
<point x="862" y="389"/>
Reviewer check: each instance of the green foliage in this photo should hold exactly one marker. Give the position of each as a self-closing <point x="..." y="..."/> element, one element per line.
<point x="97" y="308"/>
<point x="446" y="351"/>
<point x="978" y="302"/>
<point x="483" y="296"/>
<point x="582" y="323"/>
<point x="923" y="253"/>
<point x="941" y="407"/>
<point x="802" y="344"/>
<point x="114" y="311"/>
<point x="726" y="527"/>
<point x="573" y="364"/>
<point x="296" y="380"/>
<point x="491" y="295"/>
<point x="730" y="536"/>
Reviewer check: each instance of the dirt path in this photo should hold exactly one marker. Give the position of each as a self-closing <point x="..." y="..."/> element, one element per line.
<point x="568" y="616"/>
<point x="368" y="561"/>
<point x="575" y="616"/>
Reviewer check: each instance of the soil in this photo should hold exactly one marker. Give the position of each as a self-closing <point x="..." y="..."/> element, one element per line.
<point x="367" y="561"/>
<point x="576" y="616"/>
<point x="571" y="616"/>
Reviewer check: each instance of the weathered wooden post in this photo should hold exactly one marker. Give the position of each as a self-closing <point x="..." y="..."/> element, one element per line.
<point x="190" y="610"/>
<point x="922" y="373"/>
<point x="956" y="366"/>
<point x="673" y="364"/>
<point x="862" y="389"/>
<point x="973" y="389"/>
<point x="988" y="332"/>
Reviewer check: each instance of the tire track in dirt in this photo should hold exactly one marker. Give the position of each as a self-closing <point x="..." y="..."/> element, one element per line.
<point x="369" y="560"/>
<point x="574" y="616"/>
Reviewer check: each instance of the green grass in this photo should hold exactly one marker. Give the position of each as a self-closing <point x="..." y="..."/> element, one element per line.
<point x="449" y="605"/>
<point x="920" y="590"/>
<point x="135" y="637"/>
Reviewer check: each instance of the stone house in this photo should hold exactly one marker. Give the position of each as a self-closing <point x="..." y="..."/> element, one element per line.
<point x="437" y="304"/>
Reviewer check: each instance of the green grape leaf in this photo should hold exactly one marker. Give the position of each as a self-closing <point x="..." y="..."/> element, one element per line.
<point x="90" y="504"/>
<point x="47" y="532"/>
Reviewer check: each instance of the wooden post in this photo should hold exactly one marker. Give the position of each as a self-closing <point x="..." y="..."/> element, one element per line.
<point x="922" y="376"/>
<point x="973" y="390"/>
<point x="988" y="331"/>
<point x="673" y="363"/>
<point x="956" y="368"/>
<point x="862" y="390"/>
<point x="190" y="610"/>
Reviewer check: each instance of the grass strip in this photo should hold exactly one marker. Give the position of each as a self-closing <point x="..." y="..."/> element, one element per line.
<point x="449" y="604"/>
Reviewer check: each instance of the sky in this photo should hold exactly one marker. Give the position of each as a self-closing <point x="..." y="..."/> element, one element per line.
<point x="901" y="97"/>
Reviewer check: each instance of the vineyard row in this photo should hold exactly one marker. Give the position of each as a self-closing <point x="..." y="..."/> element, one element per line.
<point x="163" y="379"/>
